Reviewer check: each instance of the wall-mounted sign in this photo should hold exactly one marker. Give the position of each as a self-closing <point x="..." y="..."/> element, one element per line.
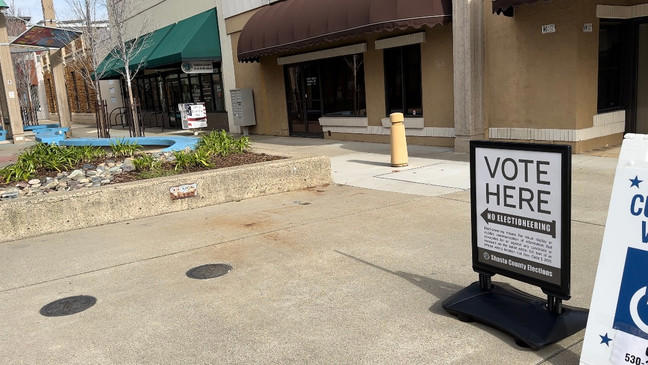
<point x="193" y="115"/>
<point x="521" y="196"/>
<point x="617" y="328"/>
<point x="549" y="28"/>
<point x="588" y="28"/>
<point x="204" y="67"/>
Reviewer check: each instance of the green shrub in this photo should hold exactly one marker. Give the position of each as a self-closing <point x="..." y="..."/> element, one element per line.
<point x="49" y="158"/>
<point x="123" y="148"/>
<point x="222" y="144"/>
<point x="184" y="160"/>
<point x="146" y="163"/>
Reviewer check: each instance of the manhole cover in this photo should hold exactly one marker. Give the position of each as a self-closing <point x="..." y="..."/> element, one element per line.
<point x="68" y="306"/>
<point x="209" y="271"/>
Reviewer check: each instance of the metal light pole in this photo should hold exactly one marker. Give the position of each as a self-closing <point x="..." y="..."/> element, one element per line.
<point x="9" y="80"/>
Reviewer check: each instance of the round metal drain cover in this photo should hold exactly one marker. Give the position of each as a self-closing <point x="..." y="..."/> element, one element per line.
<point x="209" y="271"/>
<point x="68" y="306"/>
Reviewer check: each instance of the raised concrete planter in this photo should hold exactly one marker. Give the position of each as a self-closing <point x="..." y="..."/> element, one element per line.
<point x="59" y="212"/>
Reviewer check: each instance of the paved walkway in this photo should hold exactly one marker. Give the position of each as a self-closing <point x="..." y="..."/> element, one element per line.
<point x="336" y="274"/>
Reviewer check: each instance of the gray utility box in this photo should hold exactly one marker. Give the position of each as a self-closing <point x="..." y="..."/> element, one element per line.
<point x="243" y="107"/>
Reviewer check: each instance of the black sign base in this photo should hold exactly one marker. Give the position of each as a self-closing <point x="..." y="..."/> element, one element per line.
<point x="523" y="316"/>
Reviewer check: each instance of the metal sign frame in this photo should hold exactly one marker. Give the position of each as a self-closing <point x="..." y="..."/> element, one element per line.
<point x="561" y="291"/>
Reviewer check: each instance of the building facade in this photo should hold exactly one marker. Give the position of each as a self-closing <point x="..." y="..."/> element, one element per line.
<point x="81" y="95"/>
<point x="560" y="71"/>
<point x="182" y="62"/>
<point x="515" y="70"/>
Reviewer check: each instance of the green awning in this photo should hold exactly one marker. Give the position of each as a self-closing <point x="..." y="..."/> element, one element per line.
<point x="108" y="68"/>
<point x="153" y="41"/>
<point x="195" y="38"/>
<point x="3" y="4"/>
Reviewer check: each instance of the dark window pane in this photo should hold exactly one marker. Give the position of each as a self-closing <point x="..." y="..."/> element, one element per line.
<point x="195" y="89"/>
<point x="219" y="95"/>
<point x="342" y="89"/>
<point x="412" y="80"/>
<point x="403" y="80"/>
<point x="617" y="47"/>
<point x="208" y="97"/>
<point x="394" y="80"/>
<point x="186" y="90"/>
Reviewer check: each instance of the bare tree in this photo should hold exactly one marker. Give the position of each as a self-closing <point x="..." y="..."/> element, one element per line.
<point x="128" y="43"/>
<point x="25" y="72"/>
<point x="94" y="47"/>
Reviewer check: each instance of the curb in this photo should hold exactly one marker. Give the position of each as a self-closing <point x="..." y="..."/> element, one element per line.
<point x="65" y="211"/>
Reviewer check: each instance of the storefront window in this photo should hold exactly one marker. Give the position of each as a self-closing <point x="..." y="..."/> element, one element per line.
<point x="163" y="92"/>
<point x="186" y="88"/>
<point x="614" y="50"/>
<point x="196" y="89"/>
<point x="403" y="80"/>
<point x="342" y="80"/>
<point x="219" y="95"/>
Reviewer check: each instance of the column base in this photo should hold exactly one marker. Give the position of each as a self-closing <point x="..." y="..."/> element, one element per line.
<point x="462" y="143"/>
<point x="18" y="138"/>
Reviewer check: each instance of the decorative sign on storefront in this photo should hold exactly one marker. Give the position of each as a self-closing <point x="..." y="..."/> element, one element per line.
<point x="193" y="115"/>
<point x="195" y="67"/>
<point x="617" y="328"/>
<point x="521" y="213"/>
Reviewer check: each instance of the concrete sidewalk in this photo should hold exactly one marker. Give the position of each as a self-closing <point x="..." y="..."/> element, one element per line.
<point x="336" y="274"/>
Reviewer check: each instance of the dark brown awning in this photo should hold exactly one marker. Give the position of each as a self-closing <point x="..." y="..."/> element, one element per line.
<point x="291" y="25"/>
<point x="506" y="6"/>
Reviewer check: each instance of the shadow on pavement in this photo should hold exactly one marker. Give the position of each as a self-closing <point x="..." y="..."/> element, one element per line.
<point x="553" y="354"/>
<point x="374" y="163"/>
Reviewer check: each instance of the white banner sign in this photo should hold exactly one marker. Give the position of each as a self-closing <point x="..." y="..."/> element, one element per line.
<point x="617" y="327"/>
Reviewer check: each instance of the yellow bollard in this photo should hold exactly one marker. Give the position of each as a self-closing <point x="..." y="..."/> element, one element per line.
<point x="398" y="141"/>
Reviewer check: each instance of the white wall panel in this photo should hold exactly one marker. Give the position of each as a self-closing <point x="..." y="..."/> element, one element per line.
<point x="235" y="7"/>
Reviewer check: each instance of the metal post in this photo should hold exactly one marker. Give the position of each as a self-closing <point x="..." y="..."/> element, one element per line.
<point x="485" y="282"/>
<point x="554" y="304"/>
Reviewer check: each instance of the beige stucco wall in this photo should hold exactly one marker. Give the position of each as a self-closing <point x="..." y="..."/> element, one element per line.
<point x="267" y="80"/>
<point x="374" y="83"/>
<point x="150" y="15"/>
<point x="437" y="77"/>
<point x="533" y="80"/>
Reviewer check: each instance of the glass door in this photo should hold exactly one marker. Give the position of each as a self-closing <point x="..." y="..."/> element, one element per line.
<point x="303" y="98"/>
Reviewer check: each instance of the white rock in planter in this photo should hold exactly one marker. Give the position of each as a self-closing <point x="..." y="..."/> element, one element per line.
<point x="128" y="165"/>
<point x="77" y="175"/>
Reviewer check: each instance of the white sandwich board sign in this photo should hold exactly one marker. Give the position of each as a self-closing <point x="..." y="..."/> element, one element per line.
<point x="617" y="327"/>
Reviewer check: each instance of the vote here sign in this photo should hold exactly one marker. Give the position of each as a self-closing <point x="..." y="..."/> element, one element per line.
<point x="617" y="327"/>
<point x="521" y="210"/>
